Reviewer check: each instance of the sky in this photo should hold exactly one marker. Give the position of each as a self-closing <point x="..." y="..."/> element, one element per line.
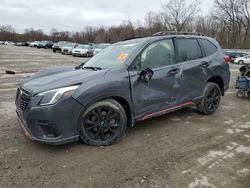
<point x="75" y="15"/>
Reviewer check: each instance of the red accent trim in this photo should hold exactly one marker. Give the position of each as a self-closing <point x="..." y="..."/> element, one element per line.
<point x="167" y="110"/>
<point x="24" y="129"/>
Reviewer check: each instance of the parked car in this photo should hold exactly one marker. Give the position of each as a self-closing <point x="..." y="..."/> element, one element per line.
<point x="83" y="50"/>
<point x="1" y="42"/>
<point x="34" y="44"/>
<point x="9" y="43"/>
<point x="19" y="44"/>
<point x="67" y="49"/>
<point x="234" y="55"/>
<point x="58" y="46"/>
<point x="127" y="82"/>
<point x="243" y="60"/>
<point x="100" y="47"/>
<point x="45" y="44"/>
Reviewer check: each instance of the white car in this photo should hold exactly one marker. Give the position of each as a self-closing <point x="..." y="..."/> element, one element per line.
<point x="68" y="48"/>
<point x="9" y="43"/>
<point x="100" y="47"/>
<point x="243" y="60"/>
<point x="83" y="50"/>
<point x="34" y="44"/>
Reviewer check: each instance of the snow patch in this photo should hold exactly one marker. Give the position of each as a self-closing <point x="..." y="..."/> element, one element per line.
<point x="203" y="181"/>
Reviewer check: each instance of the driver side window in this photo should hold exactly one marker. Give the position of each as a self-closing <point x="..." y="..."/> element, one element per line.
<point x="158" y="54"/>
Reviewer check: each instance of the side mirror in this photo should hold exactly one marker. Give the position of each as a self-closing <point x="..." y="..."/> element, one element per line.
<point x="146" y="75"/>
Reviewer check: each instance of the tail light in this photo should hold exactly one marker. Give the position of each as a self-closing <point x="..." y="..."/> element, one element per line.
<point x="227" y="59"/>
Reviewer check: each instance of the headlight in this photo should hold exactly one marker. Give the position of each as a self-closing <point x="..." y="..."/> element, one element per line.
<point x="52" y="96"/>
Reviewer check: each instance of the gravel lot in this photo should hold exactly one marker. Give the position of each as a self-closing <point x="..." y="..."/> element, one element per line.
<point x="181" y="149"/>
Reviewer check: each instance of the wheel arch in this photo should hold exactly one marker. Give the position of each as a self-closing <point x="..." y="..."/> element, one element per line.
<point x="219" y="81"/>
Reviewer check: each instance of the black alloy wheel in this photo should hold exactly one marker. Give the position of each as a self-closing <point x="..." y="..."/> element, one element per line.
<point x="103" y="123"/>
<point x="211" y="99"/>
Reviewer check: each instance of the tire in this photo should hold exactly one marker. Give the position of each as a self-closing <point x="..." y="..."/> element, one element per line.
<point x="211" y="99"/>
<point x="241" y="62"/>
<point x="103" y="123"/>
<point x="54" y="50"/>
<point x="240" y="94"/>
<point x="248" y="94"/>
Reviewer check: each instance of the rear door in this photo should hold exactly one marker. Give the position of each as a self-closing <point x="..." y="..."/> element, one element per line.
<point x="193" y="67"/>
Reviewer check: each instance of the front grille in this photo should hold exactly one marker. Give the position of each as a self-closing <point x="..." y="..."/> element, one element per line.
<point x="22" y="99"/>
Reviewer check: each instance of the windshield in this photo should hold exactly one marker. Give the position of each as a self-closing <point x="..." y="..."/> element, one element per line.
<point x="62" y="43"/>
<point x="113" y="56"/>
<point x="102" y="46"/>
<point x="83" y="46"/>
<point x="71" y="44"/>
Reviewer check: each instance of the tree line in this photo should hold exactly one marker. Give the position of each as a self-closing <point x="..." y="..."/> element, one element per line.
<point x="228" y="22"/>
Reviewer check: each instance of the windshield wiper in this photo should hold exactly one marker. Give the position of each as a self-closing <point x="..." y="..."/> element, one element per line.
<point x="93" y="68"/>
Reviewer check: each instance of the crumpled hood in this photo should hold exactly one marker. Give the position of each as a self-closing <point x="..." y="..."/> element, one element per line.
<point x="53" y="78"/>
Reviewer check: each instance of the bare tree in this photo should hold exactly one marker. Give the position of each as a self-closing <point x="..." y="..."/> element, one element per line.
<point x="178" y="14"/>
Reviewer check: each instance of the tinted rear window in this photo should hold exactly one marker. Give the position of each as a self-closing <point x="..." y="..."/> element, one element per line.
<point x="208" y="47"/>
<point x="188" y="49"/>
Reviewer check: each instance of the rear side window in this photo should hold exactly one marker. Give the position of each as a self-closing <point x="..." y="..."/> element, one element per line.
<point x="208" y="47"/>
<point x="188" y="49"/>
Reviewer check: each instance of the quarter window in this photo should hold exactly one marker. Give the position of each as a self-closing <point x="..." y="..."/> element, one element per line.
<point x="208" y="47"/>
<point x="188" y="49"/>
<point x="158" y="54"/>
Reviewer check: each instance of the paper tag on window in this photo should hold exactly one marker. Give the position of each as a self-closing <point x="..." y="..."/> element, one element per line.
<point x="122" y="57"/>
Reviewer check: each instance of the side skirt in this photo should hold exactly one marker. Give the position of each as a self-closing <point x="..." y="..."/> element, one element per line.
<point x="167" y="110"/>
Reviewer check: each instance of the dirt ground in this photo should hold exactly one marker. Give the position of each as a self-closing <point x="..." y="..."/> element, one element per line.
<point x="180" y="149"/>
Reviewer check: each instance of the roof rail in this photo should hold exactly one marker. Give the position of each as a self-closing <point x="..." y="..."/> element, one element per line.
<point x="161" y="33"/>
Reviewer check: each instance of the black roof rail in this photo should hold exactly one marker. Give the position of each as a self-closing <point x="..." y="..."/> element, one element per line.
<point x="131" y="38"/>
<point x="162" y="33"/>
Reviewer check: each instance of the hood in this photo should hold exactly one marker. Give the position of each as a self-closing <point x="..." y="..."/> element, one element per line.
<point x="54" y="78"/>
<point x="80" y="49"/>
<point x="67" y="47"/>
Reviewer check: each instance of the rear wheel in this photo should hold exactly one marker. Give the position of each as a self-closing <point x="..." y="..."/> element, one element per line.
<point x="103" y="123"/>
<point x="241" y="62"/>
<point x="211" y="99"/>
<point x="248" y="94"/>
<point x="240" y="94"/>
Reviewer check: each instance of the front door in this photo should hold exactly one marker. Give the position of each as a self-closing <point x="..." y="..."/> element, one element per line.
<point x="160" y="91"/>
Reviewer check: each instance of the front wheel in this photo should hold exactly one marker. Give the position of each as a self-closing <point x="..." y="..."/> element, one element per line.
<point x="211" y="99"/>
<point x="103" y="123"/>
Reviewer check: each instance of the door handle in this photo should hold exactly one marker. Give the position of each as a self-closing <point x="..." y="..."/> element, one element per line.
<point x="174" y="71"/>
<point x="205" y="64"/>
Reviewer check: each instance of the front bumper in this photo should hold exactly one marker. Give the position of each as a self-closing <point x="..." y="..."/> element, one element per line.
<point x="55" y="124"/>
<point x="80" y="53"/>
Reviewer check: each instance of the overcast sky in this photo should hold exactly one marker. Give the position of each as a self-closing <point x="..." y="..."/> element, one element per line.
<point x="74" y="15"/>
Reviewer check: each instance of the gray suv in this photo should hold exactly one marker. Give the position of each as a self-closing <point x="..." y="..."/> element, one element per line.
<point x="125" y="83"/>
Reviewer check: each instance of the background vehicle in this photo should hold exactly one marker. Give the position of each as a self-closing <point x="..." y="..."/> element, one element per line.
<point x="20" y="44"/>
<point x="100" y="47"/>
<point x="234" y="55"/>
<point x="58" y="46"/>
<point x="83" y="50"/>
<point x="34" y="44"/>
<point x="9" y="43"/>
<point x="45" y="44"/>
<point x="127" y="82"/>
<point x="243" y="60"/>
<point x="67" y="49"/>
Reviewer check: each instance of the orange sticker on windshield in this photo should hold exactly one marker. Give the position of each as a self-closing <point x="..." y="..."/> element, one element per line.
<point x="122" y="57"/>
